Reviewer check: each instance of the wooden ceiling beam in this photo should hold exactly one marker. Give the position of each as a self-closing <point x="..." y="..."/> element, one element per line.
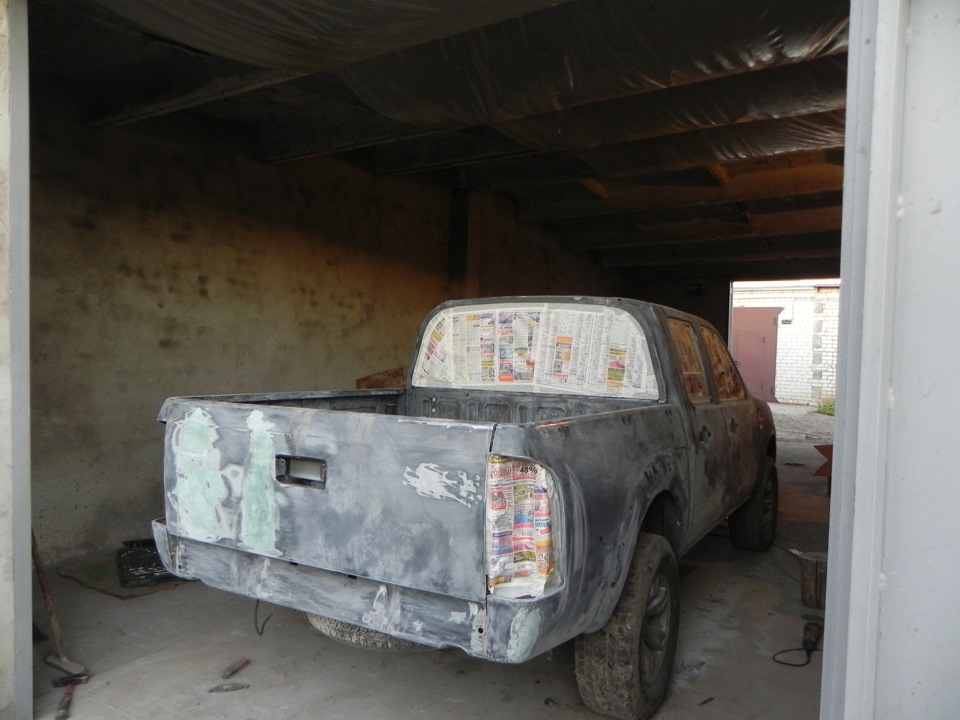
<point x="785" y="91"/>
<point x="339" y="127"/>
<point x="793" y="247"/>
<point x="740" y="270"/>
<point x="208" y="80"/>
<point x="791" y="182"/>
<point x="751" y="140"/>
<point x="795" y="222"/>
<point x="441" y="151"/>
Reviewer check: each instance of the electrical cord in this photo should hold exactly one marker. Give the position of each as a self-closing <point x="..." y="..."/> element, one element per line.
<point x="811" y="636"/>
<point x="811" y="631"/>
<point x="776" y="657"/>
<point x="256" y="625"/>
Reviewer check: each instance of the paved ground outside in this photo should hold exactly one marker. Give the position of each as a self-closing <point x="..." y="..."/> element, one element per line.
<point x="802" y="423"/>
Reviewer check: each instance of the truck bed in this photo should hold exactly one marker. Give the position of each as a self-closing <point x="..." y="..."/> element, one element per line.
<point x="485" y="406"/>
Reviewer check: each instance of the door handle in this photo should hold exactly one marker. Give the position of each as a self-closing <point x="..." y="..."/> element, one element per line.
<point x="305" y="472"/>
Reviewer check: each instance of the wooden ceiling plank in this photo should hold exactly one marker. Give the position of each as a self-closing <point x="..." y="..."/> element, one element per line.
<point x="815" y="245"/>
<point x="595" y="187"/>
<point x="740" y="270"/>
<point x="442" y="150"/>
<point x="339" y="128"/>
<point x="720" y="173"/>
<point x="120" y="105"/>
<point x="692" y="231"/>
<point x="807" y="254"/>
<point x="792" y="182"/>
<point x="784" y="91"/>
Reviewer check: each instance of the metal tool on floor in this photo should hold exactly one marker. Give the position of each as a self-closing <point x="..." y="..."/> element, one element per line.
<point x="63" y="709"/>
<point x="228" y="687"/>
<point x="70" y="680"/>
<point x="234" y="668"/>
<point x="812" y="630"/>
<point x="60" y="660"/>
<point x="811" y="636"/>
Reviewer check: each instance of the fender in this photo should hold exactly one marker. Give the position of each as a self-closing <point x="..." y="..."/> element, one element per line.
<point x="662" y="478"/>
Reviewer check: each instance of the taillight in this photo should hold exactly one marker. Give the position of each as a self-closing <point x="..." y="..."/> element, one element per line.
<point x="521" y="551"/>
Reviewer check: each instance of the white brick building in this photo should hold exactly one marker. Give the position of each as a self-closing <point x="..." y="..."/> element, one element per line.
<point x="805" y="335"/>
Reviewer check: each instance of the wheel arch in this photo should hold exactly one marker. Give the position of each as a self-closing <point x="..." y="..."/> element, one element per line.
<point x="663" y="517"/>
<point x="656" y="504"/>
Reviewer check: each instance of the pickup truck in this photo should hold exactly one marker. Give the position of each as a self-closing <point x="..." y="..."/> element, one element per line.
<point x="535" y="481"/>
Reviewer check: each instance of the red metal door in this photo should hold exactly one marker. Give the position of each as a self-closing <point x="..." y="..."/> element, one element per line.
<point x="753" y="344"/>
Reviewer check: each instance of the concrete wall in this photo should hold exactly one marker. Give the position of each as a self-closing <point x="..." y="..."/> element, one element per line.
<point x="806" y="337"/>
<point x="518" y="258"/>
<point x="709" y="299"/>
<point x="165" y="270"/>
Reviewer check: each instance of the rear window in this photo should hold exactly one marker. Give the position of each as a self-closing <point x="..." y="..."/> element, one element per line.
<point x="543" y="347"/>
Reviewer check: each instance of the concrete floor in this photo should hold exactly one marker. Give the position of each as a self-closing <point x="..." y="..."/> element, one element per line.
<point x="158" y="655"/>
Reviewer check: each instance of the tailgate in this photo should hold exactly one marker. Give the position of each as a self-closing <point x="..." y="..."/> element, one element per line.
<point x="393" y="499"/>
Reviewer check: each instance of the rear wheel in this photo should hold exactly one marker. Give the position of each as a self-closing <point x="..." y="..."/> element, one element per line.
<point x="360" y="636"/>
<point x="753" y="525"/>
<point x="624" y="668"/>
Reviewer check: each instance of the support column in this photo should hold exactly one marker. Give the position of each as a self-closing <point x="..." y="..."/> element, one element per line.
<point x="892" y="633"/>
<point x="16" y="651"/>
<point x="463" y="275"/>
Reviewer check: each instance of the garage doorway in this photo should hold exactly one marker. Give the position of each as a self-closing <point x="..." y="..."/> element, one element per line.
<point x="783" y="335"/>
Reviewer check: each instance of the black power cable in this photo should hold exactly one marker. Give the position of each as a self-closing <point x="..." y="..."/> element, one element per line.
<point x="811" y="636"/>
<point x="806" y="660"/>
<point x="256" y="625"/>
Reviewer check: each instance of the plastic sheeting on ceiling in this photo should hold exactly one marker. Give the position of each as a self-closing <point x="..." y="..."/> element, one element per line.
<point x="780" y="92"/>
<point x="313" y="34"/>
<point x="822" y="131"/>
<point x="592" y="50"/>
<point x="598" y="77"/>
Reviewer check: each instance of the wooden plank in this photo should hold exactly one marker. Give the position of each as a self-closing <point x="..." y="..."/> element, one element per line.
<point x="798" y="247"/>
<point x="791" y="182"/>
<point x="337" y="128"/>
<point x="796" y="222"/>
<point x="735" y="270"/>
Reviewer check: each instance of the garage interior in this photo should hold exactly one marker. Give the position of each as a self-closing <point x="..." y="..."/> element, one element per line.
<point x="283" y="217"/>
<point x="232" y="196"/>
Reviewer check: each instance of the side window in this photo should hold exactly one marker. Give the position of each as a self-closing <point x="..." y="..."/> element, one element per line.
<point x="725" y="375"/>
<point x="688" y="355"/>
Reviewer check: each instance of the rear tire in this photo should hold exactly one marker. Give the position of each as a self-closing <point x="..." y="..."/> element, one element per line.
<point x="753" y="526"/>
<point x="361" y="637"/>
<point x="624" y="668"/>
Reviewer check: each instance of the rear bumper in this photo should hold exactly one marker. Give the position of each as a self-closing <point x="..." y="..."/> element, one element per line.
<point x="500" y="629"/>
